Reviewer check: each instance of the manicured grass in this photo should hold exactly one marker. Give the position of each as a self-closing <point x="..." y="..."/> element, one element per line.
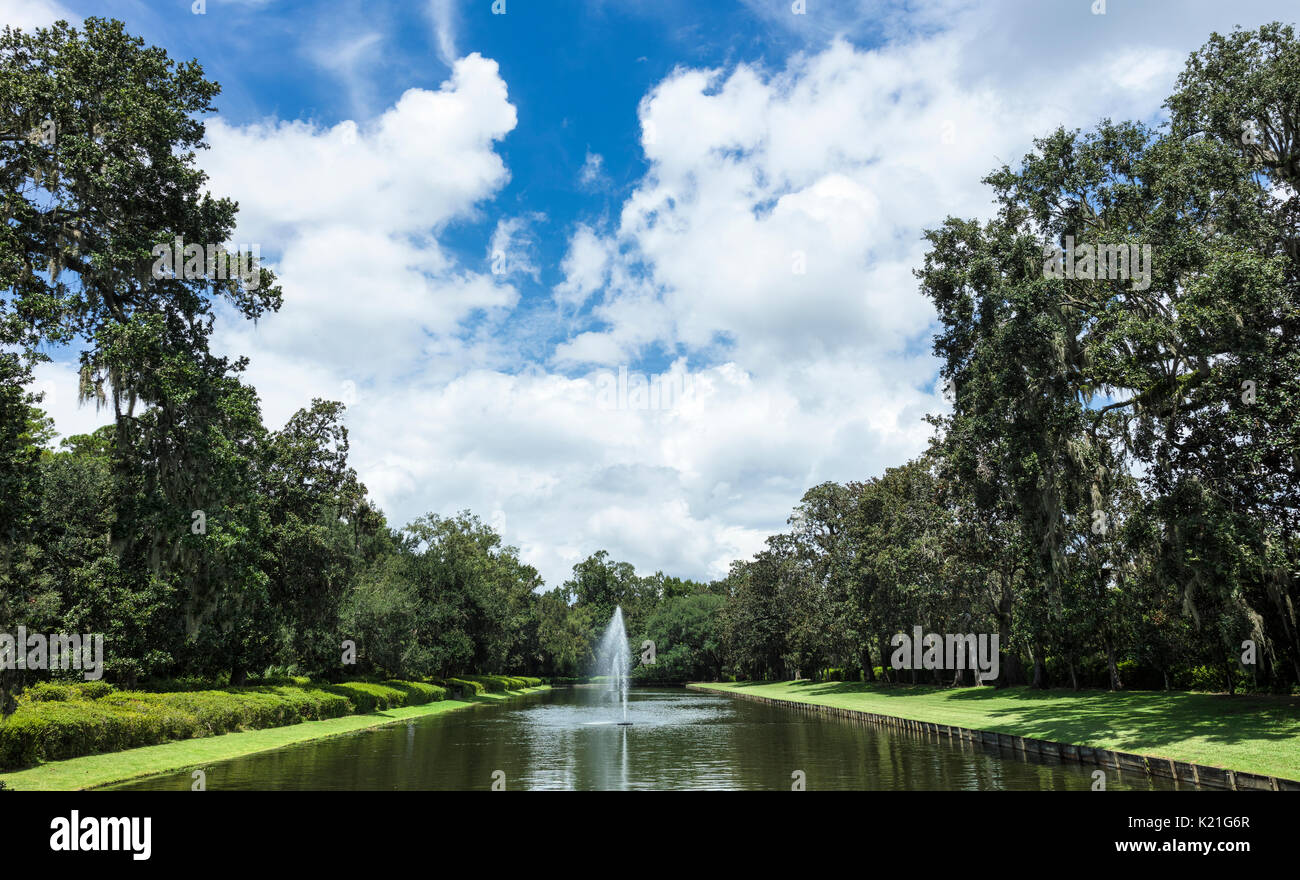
<point x="1254" y="734"/>
<point x="91" y="771"/>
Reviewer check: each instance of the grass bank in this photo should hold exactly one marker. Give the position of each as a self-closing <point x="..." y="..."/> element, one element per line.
<point x="92" y="771"/>
<point x="1253" y="734"/>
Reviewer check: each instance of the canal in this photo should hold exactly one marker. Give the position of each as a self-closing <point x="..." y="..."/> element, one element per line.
<point x="568" y="738"/>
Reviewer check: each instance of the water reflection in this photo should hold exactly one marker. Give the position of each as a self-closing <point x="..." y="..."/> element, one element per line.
<point x="678" y="739"/>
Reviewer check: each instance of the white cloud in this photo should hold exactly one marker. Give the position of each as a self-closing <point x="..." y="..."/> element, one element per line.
<point x="784" y="213"/>
<point x="585" y="267"/>
<point x="592" y="174"/>
<point x="349" y="60"/>
<point x="31" y="14"/>
<point x="421" y="163"/>
<point x="443" y="14"/>
<point x="778" y="227"/>
<point x="351" y="215"/>
<point x="58" y="383"/>
<point x="511" y="248"/>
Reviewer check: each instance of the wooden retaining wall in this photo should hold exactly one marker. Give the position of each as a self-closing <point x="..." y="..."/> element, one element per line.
<point x="1179" y="771"/>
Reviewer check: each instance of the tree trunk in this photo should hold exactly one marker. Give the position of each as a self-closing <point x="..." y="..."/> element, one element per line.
<point x="1009" y="671"/>
<point x="1040" y="669"/>
<point x="1227" y="672"/>
<point x="1115" y="683"/>
<point x="1290" y="627"/>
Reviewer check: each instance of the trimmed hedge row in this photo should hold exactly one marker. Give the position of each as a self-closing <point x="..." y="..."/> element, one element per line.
<point x="55" y="722"/>
<point x="372" y="697"/>
<point x="464" y="686"/>
<point x="496" y="684"/>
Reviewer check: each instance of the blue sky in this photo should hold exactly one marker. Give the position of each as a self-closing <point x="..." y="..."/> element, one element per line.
<point x="576" y="71"/>
<point x="483" y="222"/>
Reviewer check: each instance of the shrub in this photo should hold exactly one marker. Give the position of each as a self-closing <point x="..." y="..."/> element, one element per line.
<point x="466" y="686"/>
<point x="93" y="690"/>
<point x="47" y="692"/>
<point x="1211" y="678"/>
<point x="488" y="683"/>
<point x="503" y="683"/>
<point x="55" y="722"/>
<point x="370" y="696"/>
<point x="417" y="692"/>
<point x="20" y="739"/>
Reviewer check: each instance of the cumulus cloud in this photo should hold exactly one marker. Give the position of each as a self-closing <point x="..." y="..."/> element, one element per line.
<point x="784" y="211"/>
<point x="776" y="233"/>
<point x="425" y="160"/>
<point x="350" y="215"/>
<point x="585" y="267"/>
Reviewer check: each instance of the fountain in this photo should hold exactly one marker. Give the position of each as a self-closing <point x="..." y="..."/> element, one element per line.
<point x="612" y="658"/>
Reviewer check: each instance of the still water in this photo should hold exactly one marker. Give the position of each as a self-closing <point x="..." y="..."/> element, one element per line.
<point x="567" y="738"/>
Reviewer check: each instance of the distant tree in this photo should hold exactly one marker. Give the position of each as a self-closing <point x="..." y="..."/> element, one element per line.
<point x="688" y="645"/>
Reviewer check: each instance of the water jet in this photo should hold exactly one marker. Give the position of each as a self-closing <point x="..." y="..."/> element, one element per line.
<point x="612" y="658"/>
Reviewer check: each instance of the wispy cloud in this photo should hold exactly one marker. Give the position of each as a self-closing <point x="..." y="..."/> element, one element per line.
<point x="348" y="60"/>
<point x="512" y="245"/>
<point x="443" y="14"/>
<point x="593" y="174"/>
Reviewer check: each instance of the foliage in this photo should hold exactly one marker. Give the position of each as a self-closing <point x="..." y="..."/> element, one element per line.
<point x="54" y="723"/>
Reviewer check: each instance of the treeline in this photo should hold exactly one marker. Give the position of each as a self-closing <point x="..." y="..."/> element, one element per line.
<point x="1115" y="493"/>
<point x="285" y="568"/>
<point x="288" y="570"/>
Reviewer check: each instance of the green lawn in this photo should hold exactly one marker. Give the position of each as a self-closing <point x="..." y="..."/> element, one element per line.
<point x="96" y="770"/>
<point x="1254" y="734"/>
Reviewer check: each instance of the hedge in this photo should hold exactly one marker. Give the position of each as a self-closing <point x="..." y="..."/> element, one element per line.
<point x="50" y="691"/>
<point x="501" y="683"/>
<point x="55" y="722"/>
<point x="465" y="686"/>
